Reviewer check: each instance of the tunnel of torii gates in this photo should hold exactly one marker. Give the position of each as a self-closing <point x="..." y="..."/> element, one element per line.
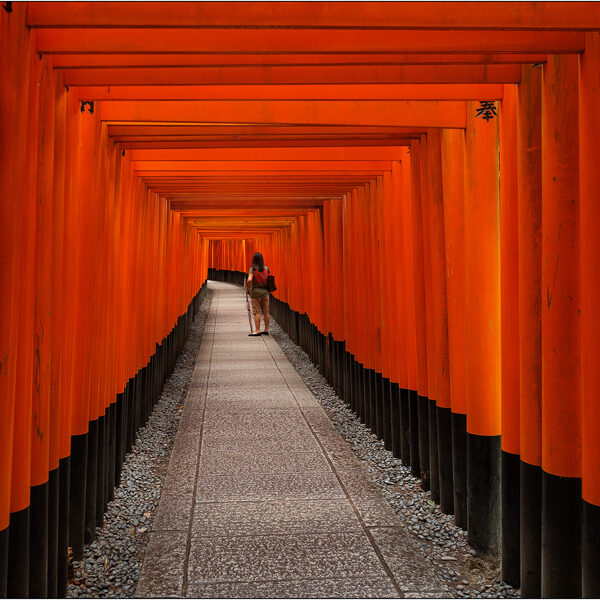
<point x="423" y="180"/>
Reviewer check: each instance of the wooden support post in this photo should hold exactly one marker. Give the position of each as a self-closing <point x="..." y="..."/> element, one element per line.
<point x="14" y="93"/>
<point x="420" y="322"/>
<point x="509" y="286"/>
<point x="429" y="181"/>
<point x="440" y="323"/>
<point x="453" y="147"/>
<point x="589" y="180"/>
<point x="482" y="252"/>
<point x="561" y="338"/>
<point x="529" y="171"/>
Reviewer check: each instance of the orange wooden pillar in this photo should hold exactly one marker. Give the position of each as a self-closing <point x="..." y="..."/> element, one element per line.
<point x="349" y="362"/>
<point x="14" y="73"/>
<point x="360" y="244"/>
<point x="80" y="228"/>
<point x="102" y="308"/>
<point x="347" y="348"/>
<point x="386" y="314"/>
<point x="509" y="286"/>
<point x="453" y="145"/>
<point x="529" y="171"/>
<point x="123" y="278"/>
<point x="44" y="286"/>
<point x="405" y="294"/>
<point x="589" y="181"/>
<point x="333" y="262"/>
<point x="428" y="181"/>
<point x="482" y="259"/>
<point x="91" y="322"/>
<point x="420" y="319"/>
<point x="561" y="307"/>
<point x="59" y="408"/>
<point x="112" y="226"/>
<point x="373" y="216"/>
<point x="19" y="541"/>
<point x="442" y="396"/>
<point x="411" y="400"/>
<point x="369" y="310"/>
<point x="398" y="338"/>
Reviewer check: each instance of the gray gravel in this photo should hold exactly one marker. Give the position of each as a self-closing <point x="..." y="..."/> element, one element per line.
<point x="111" y="565"/>
<point x="444" y="544"/>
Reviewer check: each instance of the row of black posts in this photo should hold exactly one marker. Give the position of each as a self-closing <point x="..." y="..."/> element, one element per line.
<point x="494" y="498"/>
<point x="66" y="510"/>
<point x="428" y="438"/>
<point x="408" y="424"/>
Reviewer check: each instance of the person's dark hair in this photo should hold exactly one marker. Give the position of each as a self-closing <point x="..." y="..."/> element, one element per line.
<point x="258" y="262"/>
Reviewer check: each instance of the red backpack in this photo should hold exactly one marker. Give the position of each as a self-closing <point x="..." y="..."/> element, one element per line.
<point x="260" y="279"/>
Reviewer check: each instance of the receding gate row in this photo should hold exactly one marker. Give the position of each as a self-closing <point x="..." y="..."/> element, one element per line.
<point x="100" y="282"/>
<point x="450" y="301"/>
<point x="432" y="225"/>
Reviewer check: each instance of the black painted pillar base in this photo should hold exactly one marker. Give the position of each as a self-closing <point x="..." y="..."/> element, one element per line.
<point x="368" y="421"/>
<point x="371" y="400"/>
<point x="121" y="430"/>
<point x="331" y="361"/>
<point x="53" y="525"/>
<point x="531" y="530"/>
<point x="112" y="451"/>
<point x="100" y="471"/>
<point x="38" y="541"/>
<point x="373" y="395"/>
<point x="423" y="410"/>
<point x="364" y="395"/>
<point x="352" y="369"/>
<point x="386" y="398"/>
<point x="590" y="550"/>
<point x="105" y="469"/>
<point x="346" y="383"/>
<point x="444" y="434"/>
<point x="64" y="477"/>
<point x="130" y="404"/>
<point x="356" y="388"/>
<point x="378" y="382"/>
<point x="341" y="367"/>
<point x="483" y="486"/>
<point x="396" y="420"/>
<point x="405" y="426"/>
<point x="511" y="514"/>
<point x="3" y="561"/>
<point x="434" y="467"/>
<point x="18" y="555"/>
<point x="91" y="482"/>
<point x="413" y="410"/>
<point x="561" y="536"/>
<point x="77" y="489"/>
<point x="459" y="468"/>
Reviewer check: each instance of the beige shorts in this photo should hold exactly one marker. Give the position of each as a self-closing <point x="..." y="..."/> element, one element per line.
<point x="260" y="305"/>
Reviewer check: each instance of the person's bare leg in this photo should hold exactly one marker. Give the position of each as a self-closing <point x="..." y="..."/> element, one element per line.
<point x="257" y="323"/>
<point x="267" y="319"/>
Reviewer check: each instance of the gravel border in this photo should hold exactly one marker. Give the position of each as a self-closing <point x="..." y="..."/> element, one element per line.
<point x="467" y="574"/>
<point x="112" y="562"/>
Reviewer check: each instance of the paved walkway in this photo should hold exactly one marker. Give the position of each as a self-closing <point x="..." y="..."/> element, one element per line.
<point x="262" y="497"/>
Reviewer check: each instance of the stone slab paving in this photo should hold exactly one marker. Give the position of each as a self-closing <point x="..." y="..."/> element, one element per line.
<point x="263" y="499"/>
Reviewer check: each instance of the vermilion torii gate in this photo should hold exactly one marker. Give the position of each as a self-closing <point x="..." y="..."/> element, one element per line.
<point x="451" y="245"/>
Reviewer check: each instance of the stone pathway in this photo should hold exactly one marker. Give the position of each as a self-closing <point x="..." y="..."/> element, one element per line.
<point x="263" y="498"/>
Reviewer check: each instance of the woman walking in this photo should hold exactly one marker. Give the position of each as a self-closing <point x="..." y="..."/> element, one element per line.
<point x="256" y="285"/>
